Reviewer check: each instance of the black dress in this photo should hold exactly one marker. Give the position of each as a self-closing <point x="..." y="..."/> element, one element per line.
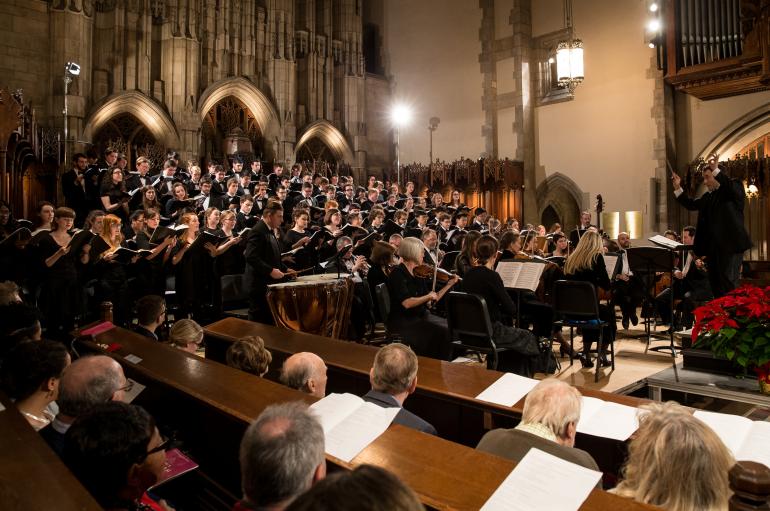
<point x="112" y="286"/>
<point x="115" y="194"/>
<point x="597" y="275"/>
<point x="197" y="284"/>
<point x="427" y="334"/>
<point x="302" y="259"/>
<point x="231" y="262"/>
<point x="59" y="300"/>
<point x="150" y="272"/>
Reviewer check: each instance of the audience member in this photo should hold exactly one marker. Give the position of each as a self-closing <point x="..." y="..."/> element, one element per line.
<point x="150" y="314"/>
<point x="676" y="462"/>
<point x="31" y="374"/>
<point x="250" y="355"/>
<point x="549" y="423"/>
<point x="365" y="488"/>
<point x="116" y="452"/>
<point x="282" y="456"/>
<point x="9" y="293"/>
<point x="186" y="334"/>
<point x="393" y="377"/>
<point x="18" y="322"/>
<point x="88" y="382"/>
<point x="306" y="372"/>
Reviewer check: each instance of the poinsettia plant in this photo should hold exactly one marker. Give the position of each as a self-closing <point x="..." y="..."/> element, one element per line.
<point x="737" y="327"/>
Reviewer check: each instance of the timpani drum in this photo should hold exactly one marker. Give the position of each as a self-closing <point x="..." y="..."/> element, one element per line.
<point x="315" y="304"/>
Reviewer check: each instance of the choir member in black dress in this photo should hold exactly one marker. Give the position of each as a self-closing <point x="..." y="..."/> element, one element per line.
<point x="381" y="262"/>
<point x="587" y="264"/>
<point x="112" y="274"/>
<point x="230" y="260"/>
<point x="296" y="237"/>
<point x="113" y="194"/>
<point x="43" y="217"/>
<point x="467" y="258"/>
<point x="150" y="198"/>
<point x="211" y="220"/>
<point x="409" y="315"/>
<point x="11" y="252"/>
<point x="332" y="220"/>
<point x="263" y="262"/>
<point x="152" y="272"/>
<point x="197" y="288"/>
<point x="60" y="294"/>
<point x="484" y="281"/>
<point x="178" y="204"/>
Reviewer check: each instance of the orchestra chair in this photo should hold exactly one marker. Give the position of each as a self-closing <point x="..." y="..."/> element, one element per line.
<point x="448" y="262"/>
<point x="576" y="305"/>
<point x="383" y="303"/>
<point x="470" y="327"/>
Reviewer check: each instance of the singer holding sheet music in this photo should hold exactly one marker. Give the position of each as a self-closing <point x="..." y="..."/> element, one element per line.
<point x="111" y="272"/>
<point x="263" y="262"/>
<point x="113" y="194"/>
<point x="587" y="264"/>
<point x="197" y="283"/>
<point x="722" y="237"/>
<point x="60" y="295"/>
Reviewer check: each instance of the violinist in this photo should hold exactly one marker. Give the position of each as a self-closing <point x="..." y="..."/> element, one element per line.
<point x="691" y="285"/>
<point x="427" y="334"/>
<point x="430" y="239"/>
<point x="628" y="290"/>
<point x="484" y="281"/>
<point x="467" y="257"/>
<point x="561" y="248"/>
<point x="381" y="262"/>
<point x="587" y="264"/>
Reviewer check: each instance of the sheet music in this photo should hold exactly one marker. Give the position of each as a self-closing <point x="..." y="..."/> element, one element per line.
<point x="520" y="275"/>
<point x="662" y="240"/>
<point x="732" y="429"/>
<point x="606" y="419"/>
<point x="507" y="390"/>
<point x="508" y="271"/>
<point x="350" y="423"/>
<point x="136" y="389"/>
<point x="610" y="261"/>
<point x="530" y="486"/>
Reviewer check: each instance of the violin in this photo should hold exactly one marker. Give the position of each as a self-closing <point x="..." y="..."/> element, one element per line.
<point x="426" y="271"/>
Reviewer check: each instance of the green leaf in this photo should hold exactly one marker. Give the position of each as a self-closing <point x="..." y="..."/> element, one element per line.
<point x="742" y="361"/>
<point x="730" y="354"/>
<point x="728" y="333"/>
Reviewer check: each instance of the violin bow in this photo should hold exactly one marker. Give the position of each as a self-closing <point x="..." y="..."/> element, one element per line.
<point x="435" y="268"/>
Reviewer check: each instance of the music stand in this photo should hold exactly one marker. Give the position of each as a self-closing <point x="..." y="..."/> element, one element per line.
<point x="649" y="261"/>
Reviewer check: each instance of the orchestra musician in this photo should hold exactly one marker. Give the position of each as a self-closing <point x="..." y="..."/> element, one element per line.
<point x="561" y="246"/>
<point x="263" y="262"/>
<point x="585" y="223"/>
<point x="628" y="290"/>
<point x="467" y="257"/>
<point x="409" y="315"/>
<point x="587" y="264"/>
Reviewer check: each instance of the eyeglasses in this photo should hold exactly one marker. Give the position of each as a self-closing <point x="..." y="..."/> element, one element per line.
<point x="163" y="446"/>
<point x="127" y="387"/>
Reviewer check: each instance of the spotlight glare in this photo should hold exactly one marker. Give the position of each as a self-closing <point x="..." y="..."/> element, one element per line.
<point x="651" y="45"/>
<point x="653" y="25"/>
<point x="401" y="115"/>
<point x="653" y="7"/>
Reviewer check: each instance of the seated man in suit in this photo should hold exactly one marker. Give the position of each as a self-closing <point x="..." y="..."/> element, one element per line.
<point x="393" y="377"/>
<point x="306" y="372"/>
<point x="150" y="314"/>
<point x="549" y="423"/>
<point x="87" y="382"/>
<point x="282" y="456"/>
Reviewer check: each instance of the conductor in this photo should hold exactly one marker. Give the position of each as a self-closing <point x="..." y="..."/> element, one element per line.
<point x="263" y="262"/>
<point x="722" y="237"/>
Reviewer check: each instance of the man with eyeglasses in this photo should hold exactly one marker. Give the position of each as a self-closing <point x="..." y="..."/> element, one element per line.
<point x="150" y="314"/>
<point x="87" y="382"/>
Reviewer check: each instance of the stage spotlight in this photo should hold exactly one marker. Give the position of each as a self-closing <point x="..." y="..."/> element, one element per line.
<point x="72" y="69"/>
<point x="653" y="7"/>
<point x="401" y="115"/>
<point x="653" y="25"/>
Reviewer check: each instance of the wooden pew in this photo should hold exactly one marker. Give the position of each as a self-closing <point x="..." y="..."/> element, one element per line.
<point x="31" y="475"/>
<point x="445" y="394"/>
<point x="211" y="405"/>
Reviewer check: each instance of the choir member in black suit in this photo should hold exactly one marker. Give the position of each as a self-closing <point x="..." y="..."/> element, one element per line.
<point x="263" y="262"/>
<point x="722" y="236"/>
<point x="111" y="273"/>
<point x="409" y="316"/>
<point x="74" y="188"/>
<point x="244" y="217"/>
<point x="197" y="285"/>
<point x="60" y="295"/>
<point x="207" y="199"/>
<point x="194" y="184"/>
<point x="484" y="281"/>
<point x="140" y="178"/>
<point x="153" y="266"/>
<point x="113" y="194"/>
<point x="587" y="264"/>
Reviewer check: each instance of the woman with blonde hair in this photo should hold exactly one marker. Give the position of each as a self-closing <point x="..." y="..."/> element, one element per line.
<point x="587" y="264"/>
<point x="249" y="355"/>
<point x="676" y="462"/>
<point x="186" y="335"/>
<point x="426" y="333"/>
<point x="197" y="284"/>
<point x="111" y="272"/>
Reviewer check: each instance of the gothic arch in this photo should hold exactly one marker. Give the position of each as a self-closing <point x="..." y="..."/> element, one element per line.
<point x="739" y="133"/>
<point x="148" y="111"/>
<point x="563" y="196"/>
<point x="329" y="135"/>
<point x="246" y="92"/>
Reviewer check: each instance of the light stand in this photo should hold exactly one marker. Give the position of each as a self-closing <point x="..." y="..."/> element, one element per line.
<point x="70" y="70"/>
<point x="432" y="125"/>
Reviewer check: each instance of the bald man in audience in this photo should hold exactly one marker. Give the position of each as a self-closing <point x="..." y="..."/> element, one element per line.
<point x="549" y="423"/>
<point x="306" y="372"/>
<point x="87" y="382"/>
<point x="282" y="456"/>
<point x="393" y="377"/>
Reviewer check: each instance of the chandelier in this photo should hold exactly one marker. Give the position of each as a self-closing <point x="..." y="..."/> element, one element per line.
<point x="569" y="55"/>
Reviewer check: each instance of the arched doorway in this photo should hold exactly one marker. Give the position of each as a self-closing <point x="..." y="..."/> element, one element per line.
<point x="558" y="200"/>
<point x="128" y="135"/>
<point x="323" y="148"/>
<point x="549" y="217"/>
<point x="230" y="129"/>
